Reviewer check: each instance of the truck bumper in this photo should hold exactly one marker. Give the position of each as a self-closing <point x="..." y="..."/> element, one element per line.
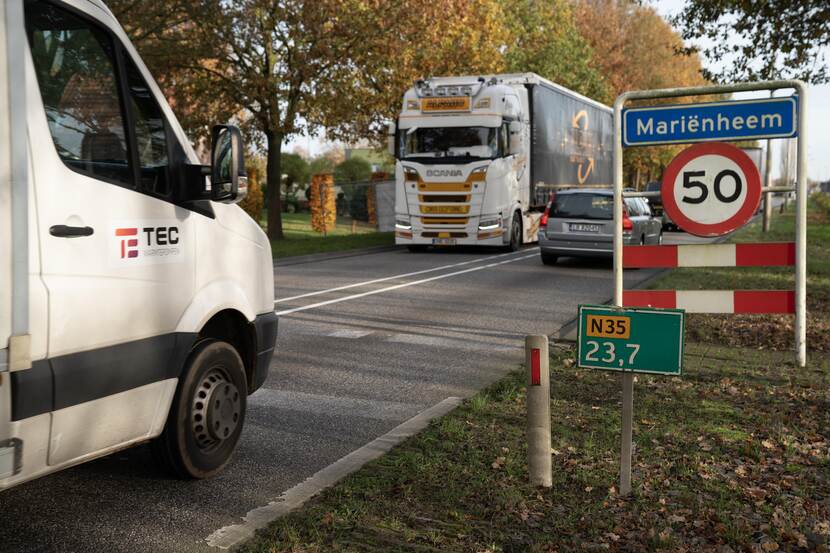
<point x="266" y="337"/>
<point x="416" y="239"/>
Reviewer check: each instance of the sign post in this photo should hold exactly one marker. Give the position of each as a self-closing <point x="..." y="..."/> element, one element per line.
<point x="711" y="203"/>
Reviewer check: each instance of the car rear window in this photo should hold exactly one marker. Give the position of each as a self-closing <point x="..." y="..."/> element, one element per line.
<point x="583" y="206"/>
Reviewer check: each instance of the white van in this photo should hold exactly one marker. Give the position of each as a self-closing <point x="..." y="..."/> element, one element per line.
<point x="136" y="301"/>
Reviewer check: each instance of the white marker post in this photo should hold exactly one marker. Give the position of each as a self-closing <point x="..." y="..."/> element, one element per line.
<point x="801" y="202"/>
<point x="539" y="463"/>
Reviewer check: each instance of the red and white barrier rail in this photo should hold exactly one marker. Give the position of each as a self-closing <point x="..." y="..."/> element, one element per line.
<point x="710" y="255"/>
<point x="714" y="301"/>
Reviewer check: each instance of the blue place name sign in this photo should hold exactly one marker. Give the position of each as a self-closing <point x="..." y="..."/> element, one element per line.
<point x="715" y="121"/>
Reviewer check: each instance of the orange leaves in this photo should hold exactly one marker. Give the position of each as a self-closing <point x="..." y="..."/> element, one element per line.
<point x="322" y="203"/>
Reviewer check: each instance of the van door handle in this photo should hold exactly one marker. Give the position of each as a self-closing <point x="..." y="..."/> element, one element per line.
<point x="65" y="231"/>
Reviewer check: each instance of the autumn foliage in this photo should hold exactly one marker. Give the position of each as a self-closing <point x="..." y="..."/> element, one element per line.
<point x="322" y="202"/>
<point x="285" y="68"/>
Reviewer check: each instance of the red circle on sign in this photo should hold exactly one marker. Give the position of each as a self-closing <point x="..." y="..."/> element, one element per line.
<point x="752" y="177"/>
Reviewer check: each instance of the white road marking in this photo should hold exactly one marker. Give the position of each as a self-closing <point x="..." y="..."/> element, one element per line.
<point x="229" y="536"/>
<point x="453" y="343"/>
<point x="349" y="333"/>
<point x="398" y="286"/>
<point x="404" y="275"/>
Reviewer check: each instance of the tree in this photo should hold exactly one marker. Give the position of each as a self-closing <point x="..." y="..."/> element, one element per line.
<point x="636" y="49"/>
<point x="355" y="169"/>
<point x="295" y="169"/>
<point x="544" y="39"/>
<point x="282" y="67"/>
<point x="760" y="40"/>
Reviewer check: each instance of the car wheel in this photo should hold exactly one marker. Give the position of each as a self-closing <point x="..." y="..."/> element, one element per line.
<point x="549" y="258"/>
<point x="515" y="234"/>
<point x="205" y="420"/>
<point x="415" y="248"/>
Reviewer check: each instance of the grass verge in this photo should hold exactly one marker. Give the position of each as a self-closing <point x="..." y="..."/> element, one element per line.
<point x="731" y="456"/>
<point x="300" y="239"/>
<point x="766" y="331"/>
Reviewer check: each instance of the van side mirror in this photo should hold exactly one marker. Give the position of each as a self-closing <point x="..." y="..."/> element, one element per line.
<point x="516" y="143"/>
<point x="229" y="182"/>
<point x="391" y="129"/>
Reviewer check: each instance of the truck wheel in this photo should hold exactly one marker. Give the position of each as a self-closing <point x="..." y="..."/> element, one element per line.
<point x="208" y="410"/>
<point x="549" y="258"/>
<point x="515" y="234"/>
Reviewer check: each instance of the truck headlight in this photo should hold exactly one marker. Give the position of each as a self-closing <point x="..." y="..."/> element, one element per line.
<point x="403" y="224"/>
<point x="491" y="223"/>
<point x="410" y="174"/>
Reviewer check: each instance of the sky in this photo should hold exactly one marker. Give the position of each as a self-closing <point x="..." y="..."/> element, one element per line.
<point x="818" y="147"/>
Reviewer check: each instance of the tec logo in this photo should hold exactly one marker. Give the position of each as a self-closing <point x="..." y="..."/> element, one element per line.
<point x="154" y="237"/>
<point x="128" y="244"/>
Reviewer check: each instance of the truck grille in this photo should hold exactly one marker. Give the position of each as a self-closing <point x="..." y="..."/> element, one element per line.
<point x="444" y="198"/>
<point x="444" y="220"/>
<point x="444" y="234"/>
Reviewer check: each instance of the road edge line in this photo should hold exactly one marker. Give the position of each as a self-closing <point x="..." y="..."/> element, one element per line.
<point x="231" y="536"/>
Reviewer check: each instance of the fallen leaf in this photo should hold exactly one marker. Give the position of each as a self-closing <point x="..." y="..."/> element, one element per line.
<point x="769" y="444"/>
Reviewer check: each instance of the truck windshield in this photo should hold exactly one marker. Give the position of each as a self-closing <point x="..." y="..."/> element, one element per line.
<point x="448" y="144"/>
<point x="583" y="206"/>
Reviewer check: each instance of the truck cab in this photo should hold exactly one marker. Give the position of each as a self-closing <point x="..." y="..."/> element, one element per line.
<point x="136" y="298"/>
<point x="462" y="166"/>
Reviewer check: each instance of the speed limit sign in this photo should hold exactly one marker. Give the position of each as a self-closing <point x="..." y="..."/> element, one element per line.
<point x="711" y="189"/>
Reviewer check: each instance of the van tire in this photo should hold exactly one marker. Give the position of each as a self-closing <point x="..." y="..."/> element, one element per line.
<point x="213" y="372"/>
<point x="515" y="234"/>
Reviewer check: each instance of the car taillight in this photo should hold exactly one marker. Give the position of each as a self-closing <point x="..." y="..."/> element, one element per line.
<point x="543" y="222"/>
<point x="627" y="224"/>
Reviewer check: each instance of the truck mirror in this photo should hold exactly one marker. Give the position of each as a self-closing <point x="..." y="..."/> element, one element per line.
<point x="229" y="182"/>
<point x="390" y="139"/>
<point x="516" y="144"/>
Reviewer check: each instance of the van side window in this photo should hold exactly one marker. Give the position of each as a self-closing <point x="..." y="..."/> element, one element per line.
<point x="75" y="66"/>
<point x="150" y="133"/>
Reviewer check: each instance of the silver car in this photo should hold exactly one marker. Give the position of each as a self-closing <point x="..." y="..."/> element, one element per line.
<point x="580" y="223"/>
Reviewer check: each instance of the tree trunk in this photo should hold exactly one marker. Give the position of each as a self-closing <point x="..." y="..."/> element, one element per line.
<point x="274" y="180"/>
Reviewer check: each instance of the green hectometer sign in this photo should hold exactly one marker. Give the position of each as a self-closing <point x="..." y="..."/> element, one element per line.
<point x="637" y="340"/>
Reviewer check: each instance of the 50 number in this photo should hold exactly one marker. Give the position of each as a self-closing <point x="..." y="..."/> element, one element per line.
<point x="703" y="190"/>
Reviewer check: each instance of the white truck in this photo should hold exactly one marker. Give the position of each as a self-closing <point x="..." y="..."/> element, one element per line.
<point x="136" y="301"/>
<point x="478" y="157"/>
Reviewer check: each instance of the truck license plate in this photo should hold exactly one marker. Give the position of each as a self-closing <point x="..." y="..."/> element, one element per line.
<point x="443" y="241"/>
<point x="582" y="227"/>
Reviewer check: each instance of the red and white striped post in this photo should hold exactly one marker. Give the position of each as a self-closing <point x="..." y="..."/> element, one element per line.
<point x="730" y="301"/>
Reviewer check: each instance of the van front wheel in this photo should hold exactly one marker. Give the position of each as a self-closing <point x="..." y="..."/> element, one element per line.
<point x="208" y="410"/>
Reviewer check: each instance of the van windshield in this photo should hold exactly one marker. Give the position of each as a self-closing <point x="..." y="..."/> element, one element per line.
<point x="583" y="206"/>
<point x="448" y="144"/>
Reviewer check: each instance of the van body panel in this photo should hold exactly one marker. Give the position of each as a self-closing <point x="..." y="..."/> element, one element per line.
<point x="97" y="425"/>
<point x="114" y="312"/>
<point x="5" y="204"/>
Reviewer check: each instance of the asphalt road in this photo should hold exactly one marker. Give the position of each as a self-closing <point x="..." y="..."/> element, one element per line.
<point x="351" y="364"/>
